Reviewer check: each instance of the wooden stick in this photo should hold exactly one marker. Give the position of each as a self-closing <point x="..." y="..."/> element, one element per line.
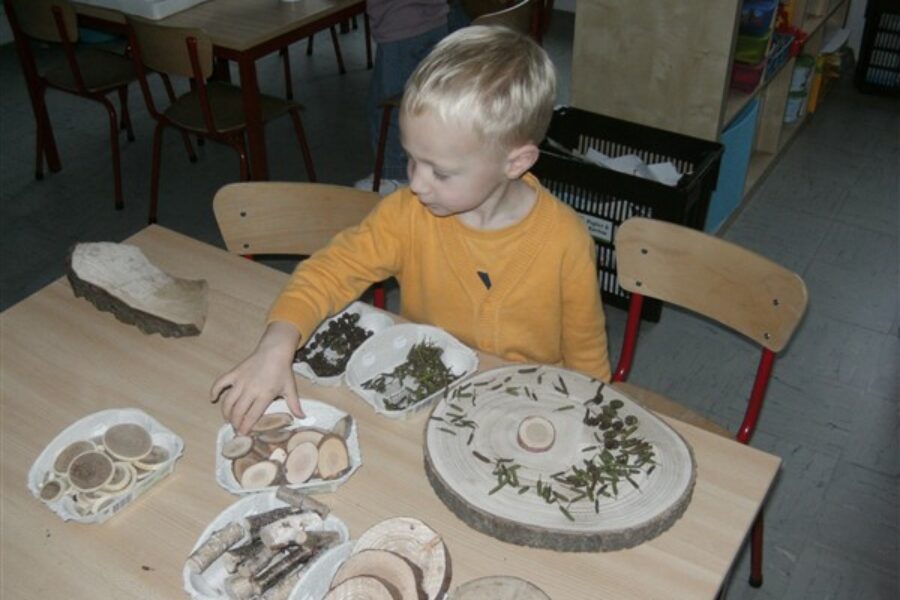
<point x="217" y="544"/>
<point x="301" y="501"/>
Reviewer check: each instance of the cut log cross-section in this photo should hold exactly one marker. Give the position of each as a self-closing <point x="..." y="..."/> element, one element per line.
<point x="119" y="279"/>
<point x="400" y="576"/>
<point x="417" y="543"/>
<point x="334" y="459"/>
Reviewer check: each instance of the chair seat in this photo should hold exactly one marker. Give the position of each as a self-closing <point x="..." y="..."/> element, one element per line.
<point x="227" y="104"/>
<point x="668" y="407"/>
<point x="102" y="71"/>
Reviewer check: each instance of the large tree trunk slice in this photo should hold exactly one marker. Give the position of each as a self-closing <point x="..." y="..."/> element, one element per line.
<point x="416" y="542"/>
<point x="498" y="587"/>
<point x="118" y="278"/>
<point x="461" y="467"/>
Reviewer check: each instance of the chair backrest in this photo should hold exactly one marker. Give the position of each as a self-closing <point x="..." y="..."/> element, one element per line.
<point x="167" y="49"/>
<point x="35" y="19"/>
<point x="287" y="218"/>
<point x="519" y="17"/>
<point x="713" y="278"/>
<point x="717" y="279"/>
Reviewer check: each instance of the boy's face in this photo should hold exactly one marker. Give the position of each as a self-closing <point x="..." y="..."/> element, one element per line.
<point x="450" y="169"/>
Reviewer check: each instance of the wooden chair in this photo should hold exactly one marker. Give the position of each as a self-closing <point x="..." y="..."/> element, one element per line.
<point x="87" y="72"/>
<point x="523" y="17"/>
<point x="289" y="218"/>
<point x="212" y="110"/>
<point x="725" y="283"/>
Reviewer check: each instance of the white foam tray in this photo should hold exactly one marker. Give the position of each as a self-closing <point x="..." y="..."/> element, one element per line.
<point x="93" y="426"/>
<point x="208" y="585"/>
<point x="369" y="318"/>
<point x="318" y="415"/>
<point x="386" y="350"/>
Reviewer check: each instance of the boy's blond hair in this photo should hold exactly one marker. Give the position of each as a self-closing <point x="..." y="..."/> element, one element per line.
<point x="492" y="80"/>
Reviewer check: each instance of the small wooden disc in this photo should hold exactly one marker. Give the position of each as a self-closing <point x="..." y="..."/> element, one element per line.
<point x="389" y="567"/>
<point x="272" y="421"/>
<point x="242" y="464"/>
<point x="157" y="457"/>
<point x="68" y="454"/>
<point x="313" y="436"/>
<point x="123" y="476"/>
<point x="416" y="542"/>
<point x="90" y="471"/>
<point x="127" y="441"/>
<point x="275" y="436"/>
<point x="361" y="588"/>
<point x="334" y="458"/>
<point x="262" y="474"/>
<point x="236" y="447"/>
<point x="536" y="434"/>
<point x="52" y="490"/>
<point x="301" y="463"/>
<point x="498" y="587"/>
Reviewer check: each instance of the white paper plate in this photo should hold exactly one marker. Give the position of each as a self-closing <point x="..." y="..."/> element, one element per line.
<point x="319" y="415"/>
<point x="388" y="349"/>
<point x="208" y="585"/>
<point x="93" y="426"/>
<point x="369" y="318"/>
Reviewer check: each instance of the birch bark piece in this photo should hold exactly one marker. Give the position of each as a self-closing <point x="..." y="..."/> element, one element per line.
<point x="398" y="574"/>
<point x="118" y="278"/>
<point x="68" y="454"/>
<point x="498" y="587"/>
<point x="301" y="463"/>
<point x="461" y="467"/>
<point x="361" y="588"/>
<point x="90" y="471"/>
<point x="334" y="458"/>
<point x="236" y="447"/>
<point x="271" y="421"/>
<point x="416" y="542"/>
<point x="127" y="441"/>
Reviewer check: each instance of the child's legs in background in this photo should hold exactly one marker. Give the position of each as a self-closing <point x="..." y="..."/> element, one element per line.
<point x="394" y="63"/>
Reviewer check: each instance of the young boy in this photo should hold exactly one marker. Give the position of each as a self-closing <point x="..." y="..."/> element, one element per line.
<point x="477" y="246"/>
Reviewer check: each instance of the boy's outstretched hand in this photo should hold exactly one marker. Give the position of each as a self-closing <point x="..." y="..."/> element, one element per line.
<point x="247" y="390"/>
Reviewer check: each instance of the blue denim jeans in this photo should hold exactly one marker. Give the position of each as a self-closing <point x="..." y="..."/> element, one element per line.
<point x="394" y="63"/>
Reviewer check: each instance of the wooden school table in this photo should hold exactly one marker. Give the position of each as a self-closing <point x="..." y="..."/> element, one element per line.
<point x="61" y="359"/>
<point x="244" y="31"/>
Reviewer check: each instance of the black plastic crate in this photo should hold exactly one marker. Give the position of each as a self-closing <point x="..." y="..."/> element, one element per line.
<point x="606" y="198"/>
<point x="878" y="68"/>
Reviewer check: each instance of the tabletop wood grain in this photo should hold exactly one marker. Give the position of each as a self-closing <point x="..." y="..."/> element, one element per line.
<point x="61" y="359"/>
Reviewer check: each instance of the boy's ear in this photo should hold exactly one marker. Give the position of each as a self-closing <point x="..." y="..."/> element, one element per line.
<point x="520" y="159"/>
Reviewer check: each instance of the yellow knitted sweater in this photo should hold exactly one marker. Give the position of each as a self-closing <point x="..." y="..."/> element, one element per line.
<point x="536" y="299"/>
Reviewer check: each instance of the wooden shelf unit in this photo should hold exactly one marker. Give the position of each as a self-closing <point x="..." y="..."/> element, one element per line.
<point x="669" y="66"/>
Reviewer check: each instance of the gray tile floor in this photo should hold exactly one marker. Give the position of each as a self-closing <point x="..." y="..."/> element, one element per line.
<point x="828" y="210"/>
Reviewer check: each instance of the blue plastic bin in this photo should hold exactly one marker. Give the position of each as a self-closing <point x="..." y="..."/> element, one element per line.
<point x="738" y="142"/>
<point x="758" y="17"/>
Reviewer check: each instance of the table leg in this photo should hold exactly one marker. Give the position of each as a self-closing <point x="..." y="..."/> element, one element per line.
<point x="256" y="137"/>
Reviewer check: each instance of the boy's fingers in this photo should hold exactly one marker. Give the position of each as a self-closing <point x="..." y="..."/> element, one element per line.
<point x="252" y="415"/>
<point x="293" y="403"/>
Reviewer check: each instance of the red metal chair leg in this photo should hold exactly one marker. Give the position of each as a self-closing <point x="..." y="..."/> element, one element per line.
<point x="125" y="122"/>
<point x="285" y="54"/>
<point x="756" y="551"/>
<point x="154" y="172"/>
<point x="304" y="146"/>
<point x="382" y="142"/>
<point x="337" y="50"/>
<point x="379" y="299"/>
<point x="114" y="145"/>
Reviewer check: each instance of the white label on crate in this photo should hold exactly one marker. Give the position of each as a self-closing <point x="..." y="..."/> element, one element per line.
<point x="600" y="229"/>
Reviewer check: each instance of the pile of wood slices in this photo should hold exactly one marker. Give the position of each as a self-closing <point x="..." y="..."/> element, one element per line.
<point x="275" y="452"/>
<point x="396" y="559"/>
<point x="265" y="553"/>
<point x="100" y="471"/>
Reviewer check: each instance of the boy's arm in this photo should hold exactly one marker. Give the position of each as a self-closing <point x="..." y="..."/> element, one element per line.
<point x="248" y="389"/>
<point x="584" y="343"/>
<point x="336" y="275"/>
